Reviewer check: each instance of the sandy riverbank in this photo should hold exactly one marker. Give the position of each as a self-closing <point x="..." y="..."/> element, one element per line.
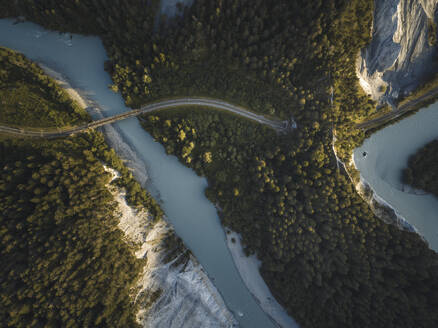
<point x="168" y="295"/>
<point x="62" y="82"/>
<point x="387" y="152"/>
<point x="248" y="267"/>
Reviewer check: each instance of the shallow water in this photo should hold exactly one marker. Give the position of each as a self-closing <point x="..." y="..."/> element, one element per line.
<point x="388" y="151"/>
<point x="181" y="192"/>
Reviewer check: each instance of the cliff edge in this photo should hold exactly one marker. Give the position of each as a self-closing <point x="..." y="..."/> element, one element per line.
<point x="403" y="49"/>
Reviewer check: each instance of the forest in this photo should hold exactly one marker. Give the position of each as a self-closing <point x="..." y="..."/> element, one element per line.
<point x="30" y="98"/>
<point x="64" y="262"/>
<point x="422" y="170"/>
<point x="325" y="256"/>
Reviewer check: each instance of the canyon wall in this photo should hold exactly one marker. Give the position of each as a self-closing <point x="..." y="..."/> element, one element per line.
<point x="173" y="290"/>
<point x="402" y="52"/>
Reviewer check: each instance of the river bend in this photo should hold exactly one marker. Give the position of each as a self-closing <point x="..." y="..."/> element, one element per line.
<point x="387" y="153"/>
<point x="180" y="191"/>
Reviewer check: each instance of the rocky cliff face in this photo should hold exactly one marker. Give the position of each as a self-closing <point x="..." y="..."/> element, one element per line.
<point x="173" y="290"/>
<point x="402" y="51"/>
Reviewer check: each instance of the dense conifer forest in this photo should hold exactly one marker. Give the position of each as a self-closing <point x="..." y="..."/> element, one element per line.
<point x="64" y="261"/>
<point x="324" y="254"/>
<point x="422" y="170"/>
<point x="30" y="98"/>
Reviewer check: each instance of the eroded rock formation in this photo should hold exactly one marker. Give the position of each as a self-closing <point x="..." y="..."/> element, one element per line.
<point x="173" y="290"/>
<point x="402" y="51"/>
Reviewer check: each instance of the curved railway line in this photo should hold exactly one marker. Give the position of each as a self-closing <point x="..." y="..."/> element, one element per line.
<point x="279" y="126"/>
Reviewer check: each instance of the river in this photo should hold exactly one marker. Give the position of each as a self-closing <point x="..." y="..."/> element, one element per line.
<point x="179" y="190"/>
<point x="387" y="153"/>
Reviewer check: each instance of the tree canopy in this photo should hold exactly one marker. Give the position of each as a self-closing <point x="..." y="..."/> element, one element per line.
<point x="325" y="256"/>
<point x="64" y="261"/>
<point x="422" y="170"/>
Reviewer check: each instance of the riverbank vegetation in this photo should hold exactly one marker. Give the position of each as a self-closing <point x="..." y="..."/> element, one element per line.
<point x="64" y="261"/>
<point x="422" y="170"/>
<point x="325" y="256"/>
<point x="31" y="98"/>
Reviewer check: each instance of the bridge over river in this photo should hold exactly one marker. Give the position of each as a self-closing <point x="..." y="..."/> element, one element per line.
<point x="279" y="126"/>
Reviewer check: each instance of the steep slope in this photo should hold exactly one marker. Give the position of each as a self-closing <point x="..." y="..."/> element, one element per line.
<point x="173" y="290"/>
<point x="80" y="249"/>
<point x="401" y="53"/>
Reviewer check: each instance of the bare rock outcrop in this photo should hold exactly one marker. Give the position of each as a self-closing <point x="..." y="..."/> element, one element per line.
<point x="402" y="52"/>
<point x="173" y="290"/>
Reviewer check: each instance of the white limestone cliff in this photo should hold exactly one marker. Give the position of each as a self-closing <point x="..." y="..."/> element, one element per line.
<point x="400" y="55"/>
<point x="173" y="290"/>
